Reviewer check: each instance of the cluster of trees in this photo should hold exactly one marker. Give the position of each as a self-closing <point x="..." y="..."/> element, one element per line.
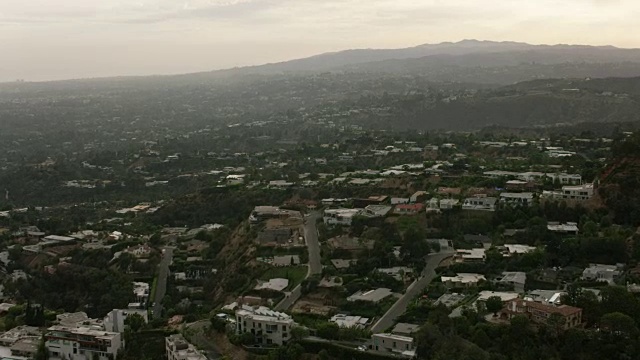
<point x="76" y="288"/>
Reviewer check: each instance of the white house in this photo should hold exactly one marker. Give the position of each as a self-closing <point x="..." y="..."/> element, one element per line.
<point x="267" y="326"/>
<point x="479" y="203"/>
<point x="515" y="199"/>
<point x="599" y="272"/>
<point x="393" y="343"/>
<point x="81" y="343"/>
<point x="340" y="216"/>
<point x="572" y="192"/>
<point x="462" y="280"/>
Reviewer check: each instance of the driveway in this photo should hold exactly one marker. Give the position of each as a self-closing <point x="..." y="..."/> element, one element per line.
<point x="415" y="289"/>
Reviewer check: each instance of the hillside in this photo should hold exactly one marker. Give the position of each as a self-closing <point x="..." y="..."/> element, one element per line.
<point x="620" y="182"/>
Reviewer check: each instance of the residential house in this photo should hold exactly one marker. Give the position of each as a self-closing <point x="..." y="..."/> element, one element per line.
<point x="141" y="291"/>
<point x="397" y="201"/>
<point x="515" y="249"/>
<point x="267" y="326"/>
<point x="470" y="255"/>
<point x="377" y="210"/>
<point x="572" y="192"/>
<point x="261" y="213"/>
<point x="448" y="204"/>
<point x="433" y="205"/>
<point x="277" y="284"/>
<point x="374" y="296"/>
<point x="540" y="313"/>
<point x="480" y="203"/>
<point x="340" y="216"/>
<point x="346" y="321"/>
<point x="417" y="197"/>
<point x="517" y="279"/>
<point x="81" y="343"/>
<point x="599" y="272"/>
<point x="549" y="297"/>
<point x="398" y="272"/>
<point x="462" y="280"/>
<point x="393" y="343"/>
<point x="408" y="209"/>
<point x="517" y="199"/>
<point x="570" y="228"/>
<point x="180" y="349"/>
<point x="341" y="264"/>
<point x="405" y="329"/>
<point x="275" y="236"/>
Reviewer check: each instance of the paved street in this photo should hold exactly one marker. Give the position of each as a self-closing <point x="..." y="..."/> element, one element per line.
<point x="313" y="246"/>
<point x="400" y="306"/>
<point x="161" y="289"/>
<point x="315" y="260"/>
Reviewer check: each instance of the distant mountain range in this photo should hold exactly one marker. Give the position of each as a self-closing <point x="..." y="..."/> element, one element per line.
<point x="464" y="53"/>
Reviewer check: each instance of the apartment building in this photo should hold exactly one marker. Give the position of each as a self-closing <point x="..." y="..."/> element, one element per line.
<point x="179" y="349"/>
<point x="267" y="326"/>
<point x="82" y="343"/>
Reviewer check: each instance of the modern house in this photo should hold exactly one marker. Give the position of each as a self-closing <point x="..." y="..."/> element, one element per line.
<point x="600" y="272"/>
<point x="267" y="326"/>
<point x="569" y="228"/>
<point x="470" y="255"/>
<point x="340" y="216"/>
<point x="572" y="192"/>
<point x="462" y="280"/>
<point x="393" y="343"/>
<point x="346" y="321"/>
<point x="82" y="343"/>
<point x="376" y="210"/>
<point x="448" y="204"/>
<point x="517" y="279"/>
<point x="480" y="203"/>
<point x="374" y="296"/>
<point x="517" y="199"/>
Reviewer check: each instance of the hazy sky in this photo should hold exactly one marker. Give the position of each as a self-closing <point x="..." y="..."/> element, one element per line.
<point x="56" y="39"/>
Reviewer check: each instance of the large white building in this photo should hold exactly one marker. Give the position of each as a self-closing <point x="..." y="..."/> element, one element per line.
<point x="572" y="192"/>
<point x="267" y="326"/>
<point x="179" y="349"/>
<point x="82" y="343"/>
<point x="480" y="203"/>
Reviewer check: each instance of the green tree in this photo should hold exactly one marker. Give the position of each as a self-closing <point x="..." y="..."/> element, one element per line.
<point x="619" y="323"/>
<point x="135" y="322"/>
<point x="494" y="304"/>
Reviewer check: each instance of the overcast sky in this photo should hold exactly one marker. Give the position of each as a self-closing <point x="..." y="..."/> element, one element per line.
<point x="59" y="39"/>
